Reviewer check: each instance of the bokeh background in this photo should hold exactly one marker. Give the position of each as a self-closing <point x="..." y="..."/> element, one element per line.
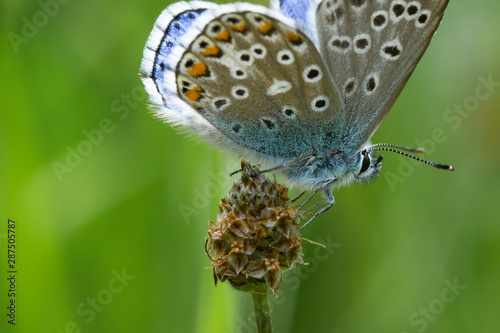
<point x="415" y="251"/>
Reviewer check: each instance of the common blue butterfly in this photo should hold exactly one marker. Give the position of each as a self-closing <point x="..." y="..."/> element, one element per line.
<point x="300" y="87"/>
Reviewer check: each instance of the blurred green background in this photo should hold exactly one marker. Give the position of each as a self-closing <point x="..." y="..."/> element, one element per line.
<point x="136" y="203"/>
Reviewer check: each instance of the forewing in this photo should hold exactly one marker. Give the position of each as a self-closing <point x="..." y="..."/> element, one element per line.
<point x="371" y="47"/>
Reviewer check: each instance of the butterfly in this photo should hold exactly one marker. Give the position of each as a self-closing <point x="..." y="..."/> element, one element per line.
<point x="300" y="87"/>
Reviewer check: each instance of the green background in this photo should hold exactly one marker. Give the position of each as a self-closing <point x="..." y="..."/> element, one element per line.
<point x="395" y="244"/>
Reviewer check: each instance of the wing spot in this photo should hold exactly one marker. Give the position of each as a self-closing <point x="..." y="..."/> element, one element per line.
<point x="340" y="44"/>
<point x="398" y="8"/>
<point x="245" y="57"/>
<point x="233" y="20"/>
<point x="258" y="50"/>
<point x="193" y="94"/>
<point x="217" y="31"/>
<point x="371" y="84"/>
<point x="278" y="87"/>
<point x="293" y="38"/>
<point x="237" y="128"/>
<point x="379" y="20"/>
<point x="423" y="18"/>
<point x="266" y="28"/>
<point x="240" y="27"/>
<point x="189" y="63"/>
<point x="220" y="103"/>
<point x="269" y="123"/>
<point x="312" y="74"/>
<point x="212" y="51"/>
<point x="290" y="112"/>
<point x="239" y="92"/>
<point x="223" y="36"/>
<point x="264" y="25"/>
<point x="350" y="86"/>
<point x="412" y="10"/>
<point x="391" y="50"/>
<point x="198" y="69"/>
<point x="235" y="23"/>
<point x="206" y="46"/>
<point x="320" y="103"/>
<point x="285" y="57"/>
<point x="238" y="73"/>
<point x="362" y="43"/>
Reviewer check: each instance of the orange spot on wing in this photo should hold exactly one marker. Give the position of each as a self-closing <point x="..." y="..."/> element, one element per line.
<point x="223" y="35"/>
<point x="192" y="95"/>
<point x="196" y="88"/>
<point x="211" y="51"/>
<point x="292" y="36"/>
<point x="241" y="27"/>
<point x="266" y="27"/>
<point x="198" y="69"/>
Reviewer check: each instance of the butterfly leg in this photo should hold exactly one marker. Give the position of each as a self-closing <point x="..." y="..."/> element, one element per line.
<point x="324" y="186"/>
<point x="321" y="203"/>
<point x="330" y="200"/>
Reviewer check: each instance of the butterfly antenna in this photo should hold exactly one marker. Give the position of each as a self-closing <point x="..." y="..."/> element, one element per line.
<point x="413" y="150"/>
<point x="436" y="165"/>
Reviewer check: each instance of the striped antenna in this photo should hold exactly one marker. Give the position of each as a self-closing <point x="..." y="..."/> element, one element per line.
<point x="413" y="150"/>
<point x="436" y="165"/>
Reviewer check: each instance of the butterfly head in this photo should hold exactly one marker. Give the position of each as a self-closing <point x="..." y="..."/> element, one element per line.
<point x="369" y="166"/>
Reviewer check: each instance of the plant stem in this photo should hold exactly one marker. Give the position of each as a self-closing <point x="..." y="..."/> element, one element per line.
<point x="262" y="312"/>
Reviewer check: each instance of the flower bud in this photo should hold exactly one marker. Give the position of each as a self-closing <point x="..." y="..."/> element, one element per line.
<point x="255" y="237"/>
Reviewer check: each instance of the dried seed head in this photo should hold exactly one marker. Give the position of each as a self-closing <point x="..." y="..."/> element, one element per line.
<point x="255" y="238"/>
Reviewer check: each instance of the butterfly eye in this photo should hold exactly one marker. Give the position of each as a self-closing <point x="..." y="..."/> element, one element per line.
<point x="366" y="163"/>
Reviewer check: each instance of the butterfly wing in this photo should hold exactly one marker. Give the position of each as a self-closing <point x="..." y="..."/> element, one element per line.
<point x="371" y="48"/>
<point x="297" y="10"/>
<point x="259" y="81"/>
<point x="159" y="78"/>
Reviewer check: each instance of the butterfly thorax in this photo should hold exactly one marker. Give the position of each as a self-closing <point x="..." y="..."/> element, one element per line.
<point x="325" y="166"/>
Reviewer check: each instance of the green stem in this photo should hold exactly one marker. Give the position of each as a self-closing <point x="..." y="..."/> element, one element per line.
<point x="262" y="312"/>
